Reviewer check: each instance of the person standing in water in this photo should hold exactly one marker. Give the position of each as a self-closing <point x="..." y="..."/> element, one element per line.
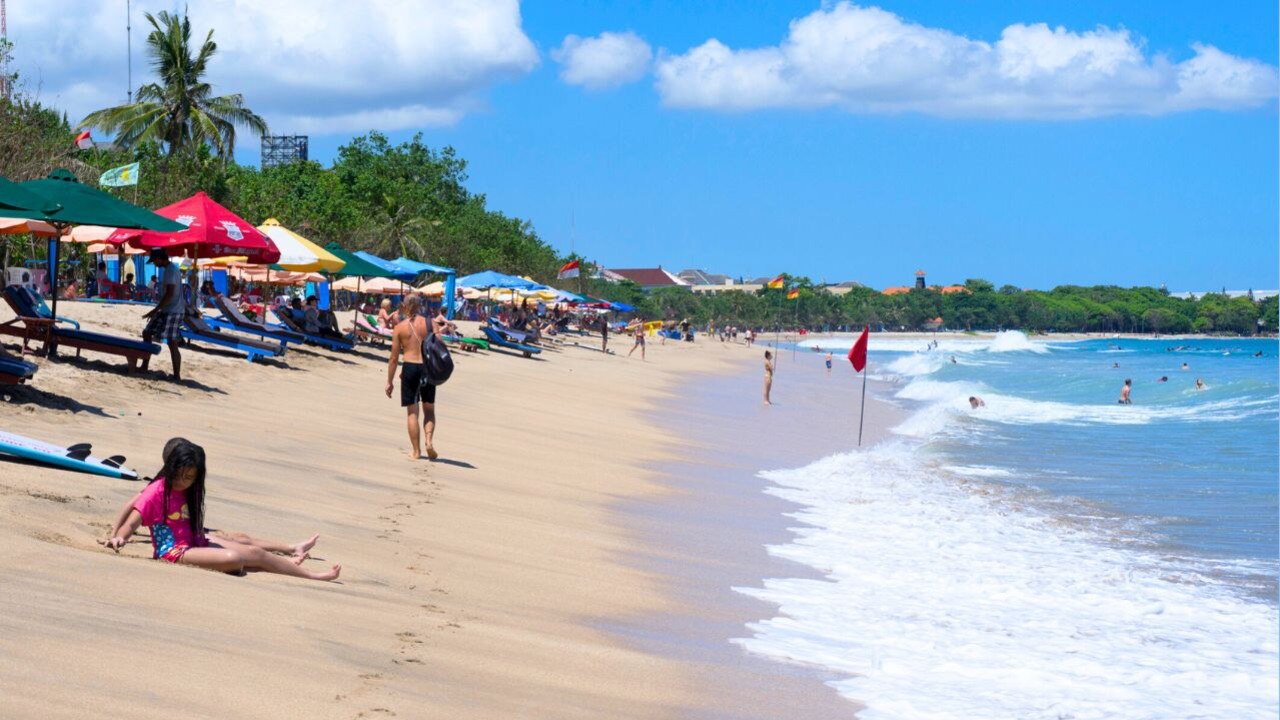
<point x="828" y="362"/>
<point x="768" y="376"/>
<point x="1124" y="392"/>
<point x="407" y="339"/>
<point x="1199" y="384"/>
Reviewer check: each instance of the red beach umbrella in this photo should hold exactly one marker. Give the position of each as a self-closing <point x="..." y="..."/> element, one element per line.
<point x="212" y="231"/>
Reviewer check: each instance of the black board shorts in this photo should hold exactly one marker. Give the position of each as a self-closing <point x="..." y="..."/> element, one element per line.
<point x="412" y="391"/>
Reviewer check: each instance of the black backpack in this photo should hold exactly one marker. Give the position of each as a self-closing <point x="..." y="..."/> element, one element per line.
<point x="436" y="359"/>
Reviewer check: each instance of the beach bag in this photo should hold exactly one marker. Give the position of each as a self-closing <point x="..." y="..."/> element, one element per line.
<point x="436" y="360"/>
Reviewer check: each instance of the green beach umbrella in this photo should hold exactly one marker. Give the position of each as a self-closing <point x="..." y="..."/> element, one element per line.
<point x="356" y="265"/>
<point x="64" y="201"/>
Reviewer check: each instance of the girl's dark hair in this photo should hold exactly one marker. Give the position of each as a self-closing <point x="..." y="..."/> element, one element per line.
<point x="768" y="354"/>
<point x="186" y="454"/>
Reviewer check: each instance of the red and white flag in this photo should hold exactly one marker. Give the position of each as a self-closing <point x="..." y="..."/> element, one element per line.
<point x="858" y="353"/>
<point x="570" y="270"/>
<point x="84" y="140"/>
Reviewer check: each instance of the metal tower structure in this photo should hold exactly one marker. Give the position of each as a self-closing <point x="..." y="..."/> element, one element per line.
<point x="4" y="56"/>
<point x="283" y="149"/>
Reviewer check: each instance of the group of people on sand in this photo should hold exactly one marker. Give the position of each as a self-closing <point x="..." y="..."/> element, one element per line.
<point x="172" y="507"/>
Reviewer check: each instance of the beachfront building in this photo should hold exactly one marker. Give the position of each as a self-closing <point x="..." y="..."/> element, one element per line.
<point x="647" y="278"/>
<point x="842" y="288"/>
<point x="1255" y="295"/>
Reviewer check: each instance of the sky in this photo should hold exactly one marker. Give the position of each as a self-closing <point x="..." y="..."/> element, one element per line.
<point x="1035" y="144"/>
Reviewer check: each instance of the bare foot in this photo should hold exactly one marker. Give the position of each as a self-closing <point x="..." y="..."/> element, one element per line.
<point x="301" y="550"/>
<point x="330" y="575"/>
<point x="431" y="452"/>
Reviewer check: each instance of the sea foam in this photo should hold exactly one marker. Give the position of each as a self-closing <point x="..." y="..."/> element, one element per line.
<point x="944" y="597"/>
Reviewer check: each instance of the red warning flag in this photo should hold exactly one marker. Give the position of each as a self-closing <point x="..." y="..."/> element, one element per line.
<point x="858" y="353"/>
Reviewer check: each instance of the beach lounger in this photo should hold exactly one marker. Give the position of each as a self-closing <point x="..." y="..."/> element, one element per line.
<point x="321" y="340"/>
<point x="195" y="329"/>
<point x="14" y="371"/>
<point x="496" y="338"/>
<point x="466" y="342"/>
<point x="43" y="311"/>
<point x="364" y="326"/>
<point x="45" y="330"/>
<point x="236" y="320"/>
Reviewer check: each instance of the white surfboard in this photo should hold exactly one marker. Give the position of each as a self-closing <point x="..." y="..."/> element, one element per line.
<point x="75" y="457"/>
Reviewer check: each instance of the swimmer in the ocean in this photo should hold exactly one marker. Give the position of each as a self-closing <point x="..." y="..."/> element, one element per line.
<point x="976" y="402"/>
<point x="1199" y="384"/>
<point x="1124" y="392"/>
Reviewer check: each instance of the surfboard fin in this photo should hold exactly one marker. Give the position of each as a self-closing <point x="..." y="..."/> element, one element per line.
<point x="114" y="461"/>
<point x="79" y="451"/>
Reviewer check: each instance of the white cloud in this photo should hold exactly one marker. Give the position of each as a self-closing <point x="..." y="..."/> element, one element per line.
<point x="867" y="60"/>
<point x="607" y="60"/>
<point x="313" y="66"/>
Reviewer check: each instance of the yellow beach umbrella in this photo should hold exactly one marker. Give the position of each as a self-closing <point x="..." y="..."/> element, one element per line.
<point x="298" y="253"/>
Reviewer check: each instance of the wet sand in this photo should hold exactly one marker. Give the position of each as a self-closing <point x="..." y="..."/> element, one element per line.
<point x="710" y="534"/>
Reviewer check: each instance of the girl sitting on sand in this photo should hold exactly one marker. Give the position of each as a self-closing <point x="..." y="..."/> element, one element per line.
<point x="172" y="507"/>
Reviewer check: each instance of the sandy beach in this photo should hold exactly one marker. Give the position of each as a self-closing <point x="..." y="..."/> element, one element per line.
<point x="482" y="585"/>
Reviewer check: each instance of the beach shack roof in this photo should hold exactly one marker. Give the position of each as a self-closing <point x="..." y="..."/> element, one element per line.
<point x="645" y="277"/>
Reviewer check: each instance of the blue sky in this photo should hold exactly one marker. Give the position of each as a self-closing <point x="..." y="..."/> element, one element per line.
<point x="1035" y="193"/>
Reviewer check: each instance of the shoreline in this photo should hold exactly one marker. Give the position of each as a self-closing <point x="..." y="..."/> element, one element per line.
<point x="711" y="535"/>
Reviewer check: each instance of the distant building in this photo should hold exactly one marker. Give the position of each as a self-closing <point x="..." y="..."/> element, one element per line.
<point x="1257" y="295"/>
<point x="646" y="278"/>
<point x="842" y="288"/>
<point x="696" y="277"/>
<point x="934" y="324"/>
<point x="920" y="285"/>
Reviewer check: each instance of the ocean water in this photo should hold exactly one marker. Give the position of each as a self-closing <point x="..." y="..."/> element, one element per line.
<point x="1053" y="554"/>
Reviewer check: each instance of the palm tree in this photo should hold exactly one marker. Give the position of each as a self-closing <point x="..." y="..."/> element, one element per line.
<point x="180" y="110"/>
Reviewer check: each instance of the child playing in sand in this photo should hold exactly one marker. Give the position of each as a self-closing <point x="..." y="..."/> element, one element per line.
<point x="172" y="506"/>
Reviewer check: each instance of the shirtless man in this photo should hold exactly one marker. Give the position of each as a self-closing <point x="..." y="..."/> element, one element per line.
<point x="976" y="402"/>
<point x="407" y="339"/>
<point x="1124" y="392"/>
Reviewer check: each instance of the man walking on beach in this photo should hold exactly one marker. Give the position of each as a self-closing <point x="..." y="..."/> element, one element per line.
<point x="165" y="320"/>
<point x="407" y="339"/>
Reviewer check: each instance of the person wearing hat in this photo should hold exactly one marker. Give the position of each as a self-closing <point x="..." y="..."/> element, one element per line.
<point x="165" y="320"/>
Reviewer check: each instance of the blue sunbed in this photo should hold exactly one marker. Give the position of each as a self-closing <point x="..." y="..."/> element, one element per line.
<point x="497" y="338"/>
<point x="233" y="319"/>
<point x="14" y="371"/>
<point x="196" y="330"/>
<point x="321" y="340"/>
<point x="47" y="331"/>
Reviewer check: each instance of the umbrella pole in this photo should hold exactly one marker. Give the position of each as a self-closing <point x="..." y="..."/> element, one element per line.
<point x="53" y="279"/>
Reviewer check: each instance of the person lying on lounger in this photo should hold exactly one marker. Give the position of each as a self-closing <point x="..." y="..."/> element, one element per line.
<point x="172" y="506"/>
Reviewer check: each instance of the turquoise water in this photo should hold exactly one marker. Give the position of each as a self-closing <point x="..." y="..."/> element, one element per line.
<point x="1053" y="553"/>
<point x="1196" y="469"/>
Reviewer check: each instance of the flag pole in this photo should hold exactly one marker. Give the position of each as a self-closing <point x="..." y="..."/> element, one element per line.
<point x="793" y="345"/>
<point x="862" y="411"/>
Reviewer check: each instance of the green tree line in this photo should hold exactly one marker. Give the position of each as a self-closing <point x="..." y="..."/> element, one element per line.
<point x="1068" y="308"/>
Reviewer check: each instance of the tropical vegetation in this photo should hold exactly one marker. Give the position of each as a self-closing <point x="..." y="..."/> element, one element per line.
<point x="180" y="111"/>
